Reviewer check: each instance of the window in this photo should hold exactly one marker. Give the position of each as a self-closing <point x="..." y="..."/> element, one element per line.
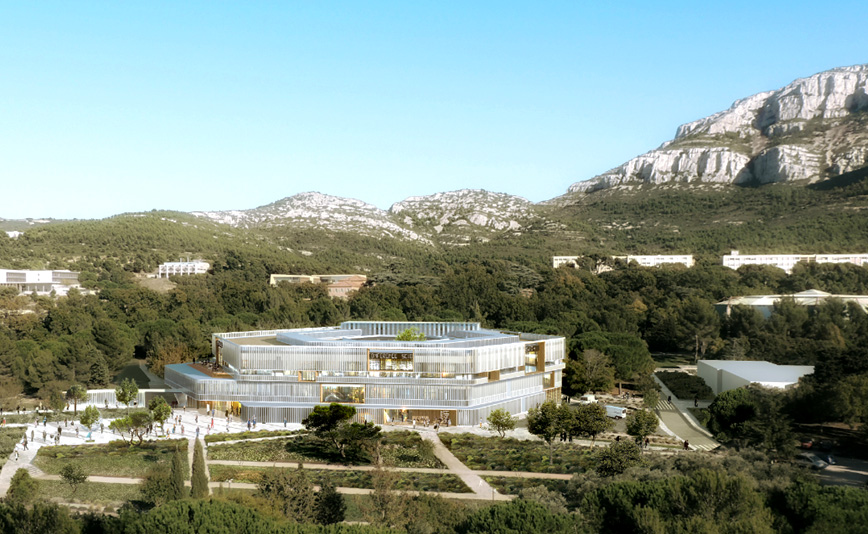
<point x="347" y="393"/>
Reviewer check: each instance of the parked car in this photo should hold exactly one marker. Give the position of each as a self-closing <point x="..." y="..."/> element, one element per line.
<point x="806" y="443"/>
<point x="811" y="460"/>
<point x="618" y="412"/>
<point x="588" y="399"/>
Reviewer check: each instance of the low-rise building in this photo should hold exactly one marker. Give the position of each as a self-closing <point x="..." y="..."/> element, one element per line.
<point x="39" y="282"/>
<point x="765" y="304"/>
<point x="653" y="260"/>
<point x="182" y="268"/>
<point x="723" y="375"/>
<point x="339" y="285"/>
<point x="734" y="260"/>
<point x="460" y="372"/>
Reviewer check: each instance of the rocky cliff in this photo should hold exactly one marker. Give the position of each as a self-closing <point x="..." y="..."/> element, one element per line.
<point x="809" y="130"/>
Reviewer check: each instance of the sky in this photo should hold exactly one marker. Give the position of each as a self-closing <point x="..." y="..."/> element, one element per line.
<point x="114" y="107"/>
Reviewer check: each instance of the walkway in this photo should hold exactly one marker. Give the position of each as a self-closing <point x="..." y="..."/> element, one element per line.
<point x="473" y="481"/>
<point x="676" y="419"/>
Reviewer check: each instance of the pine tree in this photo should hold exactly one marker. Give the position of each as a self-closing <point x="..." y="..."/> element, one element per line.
<point x="200" y="473"/>
<point x="179" y="475"/>
<point x="330" y="505"/>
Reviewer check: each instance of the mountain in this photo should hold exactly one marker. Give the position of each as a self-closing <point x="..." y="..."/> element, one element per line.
<point x="454" y="217"/>
<point x="807" y="131"/>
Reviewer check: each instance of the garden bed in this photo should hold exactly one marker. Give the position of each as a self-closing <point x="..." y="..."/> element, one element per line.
<point x="496" y="454"/>
<point x="89" y="492"/>
<point x="345" y="479"/>
<point x="115" y="459"/>
<point x="514" y="485"/>
<point x="685" y="386"/>
<point x="235" y="436"/>
<point x="399" y="449"/>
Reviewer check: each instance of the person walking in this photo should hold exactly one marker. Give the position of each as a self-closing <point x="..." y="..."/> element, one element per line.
<point x="686" y="445"/>
<point x="284" y="422"/>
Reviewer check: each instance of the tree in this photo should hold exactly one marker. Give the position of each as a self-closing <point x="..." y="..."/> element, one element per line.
<point x="74" y="475"/>
<point x="410" y="334"/>
<point x="501" y="421"/>
<point x="630" y="356"/>
<point x="55" y="400"/>
<point x="135" y="424"/>
<point x="641" y="424"/>
<point x="553" y="500"/>
<point x="178" y="475"/>
<point x="89" y="416"/>
<point x="23" y="488"/>
<point x="167" y="352"/>
<point x="199" y="480"/>
<point x="127" y="392"/>
<point x="156" y="487"/>
<point x="592" y="371"/>
<point x="388" y="508"/>
<point x="519" y="516"/>
<point x="544" y="421"/>
<point x="591" y="420"/>
<point x="160" y="411"/>
<point x="617" y="458"/>
<point x="290" y="493"/>
<point x="331" y="424"/>
<point x="99" y="374"/>
<point x="330" y="505"/>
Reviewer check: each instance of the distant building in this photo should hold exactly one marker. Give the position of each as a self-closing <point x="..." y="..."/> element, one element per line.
<point x="734" y="260"/>
<point x="766" y="303"/>
<point x="339" y="285"/>
<point x="39" y="282"/>
<point x="644" y="261"/>
<point x="14" y="234"/>
<point x="724" y="375"/>
<point x="181" y="268"/>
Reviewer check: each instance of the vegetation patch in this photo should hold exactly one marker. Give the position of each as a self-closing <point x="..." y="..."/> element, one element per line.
<point x="399" y="449"/>
<point x="686" y="386"/>
<point x="345" y="479"/>
<point x="110" y="459"/>
<point x="89" y="492"/>
<point x="496" y="454"/>
<point x="514" y="485"/>
<point x="236" y="436"/>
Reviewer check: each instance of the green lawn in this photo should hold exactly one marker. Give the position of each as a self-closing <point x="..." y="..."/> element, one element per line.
<point x="133" y="371"/>
<point x="89" y="492"/>
<point x="672" y="359"/>
<point x="110" y="459"/>
<point x="685" y="386"/>
<point x="346" y="479"/>
<point x="399" y="449"/>
<point x="509" y="454"/>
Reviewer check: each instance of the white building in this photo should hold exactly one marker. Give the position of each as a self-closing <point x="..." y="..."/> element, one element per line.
<point x="40" y="282"/>
<point x="644" y="261"/>
<point x="723" y="375"/>
<point x="180" y="268"/>
<point x="734" y="260"/>
<point x="766" y="303"/>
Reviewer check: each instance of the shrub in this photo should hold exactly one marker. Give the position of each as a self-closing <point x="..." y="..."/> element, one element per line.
<point x="686" y="386"/>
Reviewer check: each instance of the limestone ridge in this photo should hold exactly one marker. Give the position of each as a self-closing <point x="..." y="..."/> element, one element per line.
<point x="455" y="217"/>
<point x="810" y="130"/>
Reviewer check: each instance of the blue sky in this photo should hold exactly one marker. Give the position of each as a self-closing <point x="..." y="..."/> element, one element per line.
<point x="112" y="107"/>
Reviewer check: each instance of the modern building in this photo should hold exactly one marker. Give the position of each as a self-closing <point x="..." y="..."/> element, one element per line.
<point x="339" y="285"/>
<point x="461" y="372"/>
<point x="723" y="375"/>
<point x="182" y="268"/>
<point x="766" y="303"/>
<point x="644" y="261"/>
<point x="39" y="282"/>
<point x="734" y="260"/>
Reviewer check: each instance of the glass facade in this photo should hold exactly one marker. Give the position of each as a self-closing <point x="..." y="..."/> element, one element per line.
<point x="461" y="368"/>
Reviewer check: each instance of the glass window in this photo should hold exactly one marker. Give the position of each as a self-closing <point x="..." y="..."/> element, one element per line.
<point x="349" y="393"/>
<point x="307" y="376"/>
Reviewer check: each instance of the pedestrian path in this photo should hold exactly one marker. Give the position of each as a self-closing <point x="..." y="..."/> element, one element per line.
<point x="473" y="481"/>
<point x="679" y="422"/>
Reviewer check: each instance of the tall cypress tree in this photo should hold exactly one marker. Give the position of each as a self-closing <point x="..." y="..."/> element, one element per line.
<point x="177" y="490"/>
<point x="200" y="473"/>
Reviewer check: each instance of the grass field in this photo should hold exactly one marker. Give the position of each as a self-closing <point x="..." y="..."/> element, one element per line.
<point x="133" y="371"/>
<point x="672" y="360"/>
<point x="110" y="459"/>
<point x="685" y="386"/>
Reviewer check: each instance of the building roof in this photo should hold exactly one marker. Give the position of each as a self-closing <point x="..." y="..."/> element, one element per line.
<point x="811" y="297"/>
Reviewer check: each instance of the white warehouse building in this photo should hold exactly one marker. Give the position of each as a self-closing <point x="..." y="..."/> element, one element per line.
<point x="724" y="375"/>
<point x="39" y="282"/>
<point x="734" y="260"/>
